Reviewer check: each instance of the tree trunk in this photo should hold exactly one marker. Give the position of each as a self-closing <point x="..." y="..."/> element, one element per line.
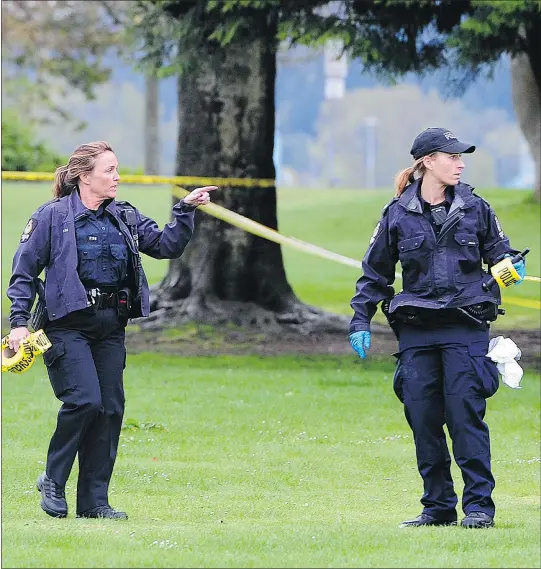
<point x="226" y="129"/>
<point x="152" y="122"/>
<point x="526" y="88"/>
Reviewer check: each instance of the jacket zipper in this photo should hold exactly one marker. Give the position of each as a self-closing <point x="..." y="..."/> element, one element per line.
<point x="452" y="221"/>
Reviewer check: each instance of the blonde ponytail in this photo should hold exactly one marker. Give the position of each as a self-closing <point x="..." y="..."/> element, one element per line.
<point x="60" y="187"/>
<point x="408" y="176"/>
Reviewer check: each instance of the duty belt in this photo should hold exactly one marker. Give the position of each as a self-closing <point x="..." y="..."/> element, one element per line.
<point x="101" y="299"/>
<point x="477" y="314"/>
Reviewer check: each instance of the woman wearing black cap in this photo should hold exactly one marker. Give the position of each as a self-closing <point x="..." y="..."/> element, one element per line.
<point x="441" y="233"/>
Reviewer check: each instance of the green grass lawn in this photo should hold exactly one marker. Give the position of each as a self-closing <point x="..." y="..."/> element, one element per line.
<point x="264" y="462"/>
<point x="339" y="220"/>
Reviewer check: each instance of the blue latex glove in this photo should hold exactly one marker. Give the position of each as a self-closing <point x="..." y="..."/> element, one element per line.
<point x="360" y="342"/>
<point x="520" y="268"/>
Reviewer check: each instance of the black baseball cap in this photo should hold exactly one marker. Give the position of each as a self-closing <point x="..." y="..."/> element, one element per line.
<point x="438" y="139"/>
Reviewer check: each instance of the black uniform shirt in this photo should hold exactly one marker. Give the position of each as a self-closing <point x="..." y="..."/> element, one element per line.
<point x="102" y="251"/>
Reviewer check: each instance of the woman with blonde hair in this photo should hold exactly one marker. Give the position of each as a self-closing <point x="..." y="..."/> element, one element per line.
<point x="88" y="244"/>
<point x="440" y="232"/>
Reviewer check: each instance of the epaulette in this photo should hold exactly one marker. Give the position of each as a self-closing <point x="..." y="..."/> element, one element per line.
<point x="46" y="204"/>
<point x="386" y="206"/>
<point x="123" y="203"/>
<point x="481" y="198"/>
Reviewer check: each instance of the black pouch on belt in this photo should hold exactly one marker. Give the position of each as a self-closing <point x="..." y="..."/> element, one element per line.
<point x="124" y="302"/>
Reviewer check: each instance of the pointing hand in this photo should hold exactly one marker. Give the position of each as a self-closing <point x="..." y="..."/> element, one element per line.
<point x="199" y="196"/>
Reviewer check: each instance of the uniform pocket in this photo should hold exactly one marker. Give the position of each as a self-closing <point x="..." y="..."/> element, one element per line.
<point x="57" y="350"/>
<point x="119" y="252"/>
<point x="119" y="267"/>
<point x="55" y="359"/>
<point x="398" y="380"/>
<point x="486" y="372"/>
<point x="469" y="258"/>
<point x="415" y="263"/>
<point x="410" y="244"/>
<point x="90" y="252"/>
<point x="88" y="261"/>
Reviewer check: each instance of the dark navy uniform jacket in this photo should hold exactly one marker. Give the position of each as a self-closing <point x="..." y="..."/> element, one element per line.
<point x="49" y="242"/>
<point x="438" y="271"/>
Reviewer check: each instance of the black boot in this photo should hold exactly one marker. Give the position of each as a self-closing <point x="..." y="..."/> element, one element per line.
<point x="477" y="520"/>
<point x="103" y="512"/>
<point x="426" y="520"/>
<point x="53" y="498"/>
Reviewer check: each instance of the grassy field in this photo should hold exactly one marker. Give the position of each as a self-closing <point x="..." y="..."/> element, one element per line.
<point x="339" y="220"/>
<point x="236" y="461"/>
<point x="264" y="462"/>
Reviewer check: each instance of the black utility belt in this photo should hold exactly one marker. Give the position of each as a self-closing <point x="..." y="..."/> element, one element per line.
<point x="101" y="299"/>
<point x="479" y="314"/>
<point x="97" y="297"/>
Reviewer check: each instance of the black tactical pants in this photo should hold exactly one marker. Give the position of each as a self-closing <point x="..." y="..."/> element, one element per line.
<point x="85" y="366"/>
<point x="444" y="378"/>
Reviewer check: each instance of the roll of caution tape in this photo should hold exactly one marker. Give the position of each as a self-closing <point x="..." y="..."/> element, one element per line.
<point x="23" y="359"/>
<point x="504" y="273"/>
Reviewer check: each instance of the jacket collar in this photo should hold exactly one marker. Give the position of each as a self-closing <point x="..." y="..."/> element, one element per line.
<point x="409" y="199"/>
<point x="79" y="208"/>
<point x="76" y="204"/>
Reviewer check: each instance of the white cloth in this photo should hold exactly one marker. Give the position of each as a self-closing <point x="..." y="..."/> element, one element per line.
<point x="505" y="353"/>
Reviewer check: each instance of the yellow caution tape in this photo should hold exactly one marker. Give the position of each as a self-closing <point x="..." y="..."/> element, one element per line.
<point x="266" y="232"/>
<point x="142" y="179"/>
<point x="237" y="219"/>
<point x="505" y="273"/>
<point x="23" y="359"/>
<point x="272" y="235"/>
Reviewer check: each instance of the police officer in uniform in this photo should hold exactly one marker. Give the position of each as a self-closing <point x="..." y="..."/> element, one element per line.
<point x="88" y="244"/>
<point x="440" y="231"/>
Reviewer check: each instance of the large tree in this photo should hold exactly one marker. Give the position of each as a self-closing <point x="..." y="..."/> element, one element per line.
<point x="226" y="129"/>
<point x="225" y="56"/>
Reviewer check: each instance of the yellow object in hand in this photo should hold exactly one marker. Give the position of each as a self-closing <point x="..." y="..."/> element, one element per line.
<point x="504" y="273"/>
<point x="23" y="359"/>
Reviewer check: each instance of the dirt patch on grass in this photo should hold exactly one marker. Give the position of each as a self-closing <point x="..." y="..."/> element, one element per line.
<point x="204" y="341"/>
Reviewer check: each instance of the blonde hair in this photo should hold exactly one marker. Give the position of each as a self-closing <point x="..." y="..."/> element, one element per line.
<point x="409" y="175"/>
<point x="81" y="161"/>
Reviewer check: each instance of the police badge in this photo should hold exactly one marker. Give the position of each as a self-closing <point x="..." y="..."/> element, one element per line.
<point x="29" y="229"/>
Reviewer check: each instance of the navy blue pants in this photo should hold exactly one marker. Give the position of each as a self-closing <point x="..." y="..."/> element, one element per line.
<point x="443" y="378"/>
<point x="85" y="366"/>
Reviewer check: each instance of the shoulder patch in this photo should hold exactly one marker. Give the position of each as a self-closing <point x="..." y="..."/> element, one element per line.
<point x="499" y="227"/>
<point x="375" y="234"/>
<point x="29" y="229"/>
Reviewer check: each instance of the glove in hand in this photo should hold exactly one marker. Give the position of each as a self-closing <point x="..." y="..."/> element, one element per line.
<point x="360" y="342"/>
<point x="520" y="267"/>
